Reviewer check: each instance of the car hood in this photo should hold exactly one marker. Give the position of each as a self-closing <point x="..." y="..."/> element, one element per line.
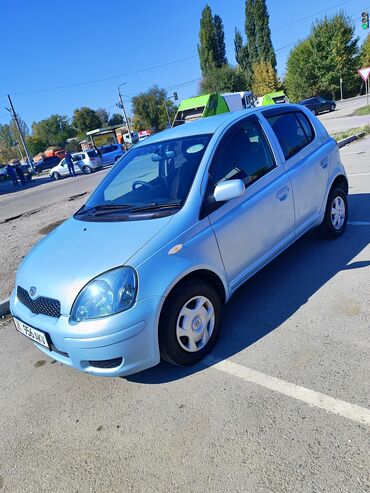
<point x="61" y="264"/>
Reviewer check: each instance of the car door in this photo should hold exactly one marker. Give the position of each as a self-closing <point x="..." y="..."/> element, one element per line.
<point x="306" y="162"/>
<point x="250" y="229"/>
<point x="78" y="162"/>
<point x="63" y="168"/>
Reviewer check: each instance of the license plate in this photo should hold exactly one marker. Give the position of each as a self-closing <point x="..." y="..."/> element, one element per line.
<point x="31" y="333"/>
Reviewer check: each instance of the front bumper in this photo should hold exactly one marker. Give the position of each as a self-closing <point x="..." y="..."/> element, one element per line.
<point x="130" y="338"/>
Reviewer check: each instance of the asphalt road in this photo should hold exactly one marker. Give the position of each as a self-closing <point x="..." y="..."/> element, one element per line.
<point x="342" y="119"/>
<point x="281" y="405"/>
<point x="42" y="192"/>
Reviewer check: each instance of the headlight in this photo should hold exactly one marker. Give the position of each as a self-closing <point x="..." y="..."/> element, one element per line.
<point x="110" y="293"/>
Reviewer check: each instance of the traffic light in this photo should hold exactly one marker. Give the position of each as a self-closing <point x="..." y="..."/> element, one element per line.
<point x="365" y="20"/>
<point x="176" y="96"/>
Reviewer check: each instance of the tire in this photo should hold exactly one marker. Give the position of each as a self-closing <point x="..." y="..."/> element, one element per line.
<point x="87" y="170"/>
<point x="332" y="108"/>
<point x="334" y="225"/>
<point x="314" y="111"/>
<point x="175" y="346"/>
<point x="56" y="176"/>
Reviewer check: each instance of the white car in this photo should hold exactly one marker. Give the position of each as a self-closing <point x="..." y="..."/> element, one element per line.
<point x="84" y="162"/>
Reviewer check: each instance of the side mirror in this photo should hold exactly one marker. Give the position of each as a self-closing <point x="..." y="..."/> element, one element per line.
<point x="227" y="190"/>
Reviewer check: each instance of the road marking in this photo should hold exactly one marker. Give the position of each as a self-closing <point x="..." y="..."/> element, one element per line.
<point x="359" y="223"/>
<point x="316" y="399"/>
<point x="359" y="174"/>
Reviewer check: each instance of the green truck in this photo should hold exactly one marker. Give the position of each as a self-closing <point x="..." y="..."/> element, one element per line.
<point x="214" y="104"/>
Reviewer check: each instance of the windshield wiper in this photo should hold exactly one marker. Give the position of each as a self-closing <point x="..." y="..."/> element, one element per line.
<point x="104" y="207"/>
<point x="155" y="206"/>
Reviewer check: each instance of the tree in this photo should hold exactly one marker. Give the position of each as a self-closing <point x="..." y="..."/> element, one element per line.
<point x="300" y="78"/>
<point x="35" y="145"/>
<point x="84" y="120"/>
<point x="149" y="110"/>
<point x="8" y="148"/>
<point x="265" y="49"/>
<point x="211" y="47"/>
<point x="250" y="31"/>
<point x="103" y="115"/>
<point x="224" y="79"/>
<point x="115" y="119"/>
<point x="220" y="42"/>
<point x="52" y="131"/>
<point x="264" y="78"/>
<point x="328" y="54"/>
<point x="242" y="57"/>
<point x="365" y="53"/>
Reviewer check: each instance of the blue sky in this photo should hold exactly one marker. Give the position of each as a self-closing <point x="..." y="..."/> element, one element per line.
<point x="49" y="44"/>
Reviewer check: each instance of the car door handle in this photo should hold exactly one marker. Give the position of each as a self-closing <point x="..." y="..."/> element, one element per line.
<point x="324" y="162"/>
<point x="282" y="194"/>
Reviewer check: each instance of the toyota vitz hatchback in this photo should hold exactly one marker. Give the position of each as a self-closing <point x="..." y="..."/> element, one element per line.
<point x="180" y="222"/>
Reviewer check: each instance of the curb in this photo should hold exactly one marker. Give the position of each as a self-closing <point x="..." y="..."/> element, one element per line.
<point x="351" y="138"/>
<point x="4" y="307"/>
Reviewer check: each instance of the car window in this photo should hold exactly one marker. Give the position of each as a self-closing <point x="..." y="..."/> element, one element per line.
<point x="92" y="153"/>
<point x="105" y="149"/>
<point x="246" y="156"/>
<point x="63" y="162"/>
<point x="306" y="125"/>
<point x="155" y="173"/>
<point x="290" y="132"/>
<point x="114" y="148"/>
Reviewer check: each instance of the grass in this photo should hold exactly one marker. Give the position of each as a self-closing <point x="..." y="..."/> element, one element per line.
<point x="364" y="110"/>
<point x="351" y="131"/>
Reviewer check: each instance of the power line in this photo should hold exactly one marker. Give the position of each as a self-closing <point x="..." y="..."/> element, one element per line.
<point x="311" y="15"/>
<point x="78" y="84"/>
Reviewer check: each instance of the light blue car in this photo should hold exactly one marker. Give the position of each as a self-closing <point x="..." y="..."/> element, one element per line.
<point x="171" y="232"/>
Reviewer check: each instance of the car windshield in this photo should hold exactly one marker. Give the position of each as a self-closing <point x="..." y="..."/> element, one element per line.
<point x="151" y="177"/>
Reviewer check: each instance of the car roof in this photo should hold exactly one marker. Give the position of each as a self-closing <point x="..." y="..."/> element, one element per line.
<point x="208" y="125"/>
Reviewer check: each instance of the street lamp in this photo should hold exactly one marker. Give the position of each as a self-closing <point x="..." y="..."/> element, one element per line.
<point x="122" y="106"/>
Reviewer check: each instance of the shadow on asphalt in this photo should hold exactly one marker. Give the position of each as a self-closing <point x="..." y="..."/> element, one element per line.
<point x="7" y="187"/>
<point x="274" y="294"/>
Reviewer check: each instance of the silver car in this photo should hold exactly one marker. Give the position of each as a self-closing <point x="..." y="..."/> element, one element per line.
<point x="183" y="220"/>
<point x="83" y="162"/>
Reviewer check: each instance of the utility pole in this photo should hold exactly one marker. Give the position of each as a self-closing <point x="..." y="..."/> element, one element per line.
<point x="122" y="106"/>
<point x="15" y="117"/>
<point x="168" y="115"/>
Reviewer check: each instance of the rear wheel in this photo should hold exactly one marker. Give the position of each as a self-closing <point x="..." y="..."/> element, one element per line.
<point x="87" y="170"/>
<point x="56" y="176"/>
<point x="190" y="322"/>
<point x="336" y="214"/>
<point x="332" y="107"/>
<point x="314" y="111"/>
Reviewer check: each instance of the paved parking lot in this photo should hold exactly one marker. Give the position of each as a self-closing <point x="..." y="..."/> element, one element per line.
<point x="281" y="405"/>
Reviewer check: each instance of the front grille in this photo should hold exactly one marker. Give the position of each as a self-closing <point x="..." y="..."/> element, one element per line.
<point x="106" y="363"/>
<point x="40" y="305"/>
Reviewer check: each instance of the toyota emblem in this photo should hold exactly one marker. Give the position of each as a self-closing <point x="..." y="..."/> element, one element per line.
<point x="32" y="291"/>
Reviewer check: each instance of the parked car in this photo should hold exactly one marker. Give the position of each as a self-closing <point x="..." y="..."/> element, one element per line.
<point x="183" y="220"/>
<point x="110" y="153"/>
<point x="318" y="104"/>
<point x="83" y="162"/>
<point x="46" y="163"/>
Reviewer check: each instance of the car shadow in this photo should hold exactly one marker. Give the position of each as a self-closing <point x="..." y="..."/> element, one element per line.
<point x="274" y="294"/>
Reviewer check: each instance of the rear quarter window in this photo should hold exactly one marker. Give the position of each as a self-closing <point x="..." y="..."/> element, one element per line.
<point x="293" y="131"/>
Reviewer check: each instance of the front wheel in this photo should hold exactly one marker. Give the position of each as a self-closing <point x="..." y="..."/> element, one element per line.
<point x="87" y="170"/>
<point x="190" y="322"/>
<point x="314" y="111"/>
<point x="332" y="107"/>
<point x="56" y="176"/>
<point x="336" y="214"/>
